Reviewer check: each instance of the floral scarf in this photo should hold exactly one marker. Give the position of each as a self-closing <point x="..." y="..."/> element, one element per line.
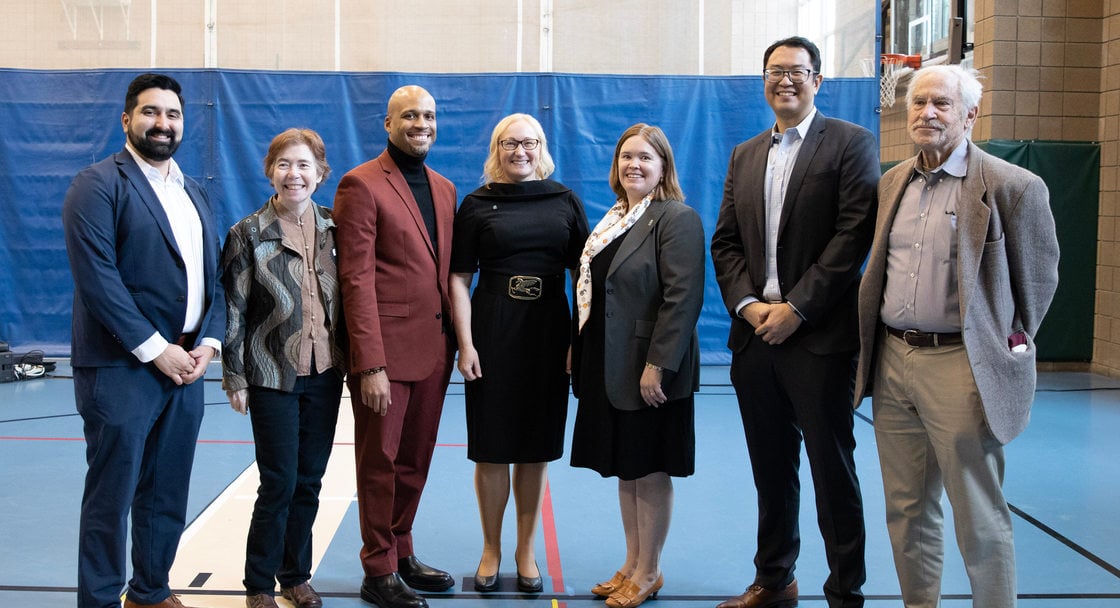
<point x="613" y="225"/>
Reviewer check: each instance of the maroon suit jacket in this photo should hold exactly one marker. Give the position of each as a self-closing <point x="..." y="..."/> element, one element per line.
<point x="394" y="285"/>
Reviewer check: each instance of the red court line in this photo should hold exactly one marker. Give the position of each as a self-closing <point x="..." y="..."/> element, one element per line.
<point x="551" y="548"/>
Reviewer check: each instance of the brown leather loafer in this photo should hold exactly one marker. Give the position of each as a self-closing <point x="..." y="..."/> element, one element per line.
<point x="260" y="600"/>
<point x="606" y="588"/>
<point x="172" y="601"/>
<point x="757" y="596"/>
<point x="630" y="595"/>
<point x="302" y="595"/>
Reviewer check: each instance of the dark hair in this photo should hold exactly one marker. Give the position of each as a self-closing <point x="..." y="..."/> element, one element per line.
<point x="147" y="81"/>
<point x="295" y="137"/>
<point x="799" y="42"/>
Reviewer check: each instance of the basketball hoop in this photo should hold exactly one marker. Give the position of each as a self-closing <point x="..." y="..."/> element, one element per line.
<point x="894" y="67"/>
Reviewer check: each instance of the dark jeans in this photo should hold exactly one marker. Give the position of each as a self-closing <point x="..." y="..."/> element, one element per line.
<point x="294" y="433"/>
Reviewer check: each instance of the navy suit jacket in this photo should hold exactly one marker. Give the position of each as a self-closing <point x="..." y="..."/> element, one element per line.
<point x="129" y="278"/>
<point x="823" y="235"/>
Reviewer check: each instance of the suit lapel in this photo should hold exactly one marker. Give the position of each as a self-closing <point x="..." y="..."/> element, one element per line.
<point x="805" y="155"/>
<point x="136" y="178"/>
<point x="973" y="218"/>
<point x="891" y="188"/>
<point x="400" y="185"/>
<point x="639" y="232"/>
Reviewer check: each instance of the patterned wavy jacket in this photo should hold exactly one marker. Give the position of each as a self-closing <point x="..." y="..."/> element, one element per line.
<point x="262" y="273"/>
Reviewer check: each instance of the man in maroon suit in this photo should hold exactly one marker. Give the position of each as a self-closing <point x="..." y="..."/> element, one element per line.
<point x="394" y="218"/>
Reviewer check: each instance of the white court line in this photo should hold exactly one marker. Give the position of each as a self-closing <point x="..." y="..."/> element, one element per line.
<point x="214" y="543"/>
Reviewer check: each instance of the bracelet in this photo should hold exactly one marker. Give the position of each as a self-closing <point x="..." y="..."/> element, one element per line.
<point x="373" y="370"/>
<point x="652" y="366"/>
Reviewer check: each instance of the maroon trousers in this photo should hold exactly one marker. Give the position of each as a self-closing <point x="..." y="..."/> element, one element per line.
<point x="393" y="453"/>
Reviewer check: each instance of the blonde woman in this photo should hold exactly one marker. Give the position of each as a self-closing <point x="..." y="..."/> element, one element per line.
<point x="519" y="233"/>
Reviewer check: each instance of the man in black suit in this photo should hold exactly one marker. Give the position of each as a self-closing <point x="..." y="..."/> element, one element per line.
<point x="149" y="315"/>
<point x="794" y="227"/>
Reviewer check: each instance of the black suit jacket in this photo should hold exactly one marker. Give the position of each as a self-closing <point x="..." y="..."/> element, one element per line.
<point x="823" y="236"/>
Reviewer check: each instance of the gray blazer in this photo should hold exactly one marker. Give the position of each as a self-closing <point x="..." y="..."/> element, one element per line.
<point x="1007" y="272"/>
<point x="654" y="291"/>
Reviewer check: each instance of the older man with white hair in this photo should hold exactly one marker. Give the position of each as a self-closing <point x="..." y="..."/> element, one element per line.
<point x="962" y="269"/>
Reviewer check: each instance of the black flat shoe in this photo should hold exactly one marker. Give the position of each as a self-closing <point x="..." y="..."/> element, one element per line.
<point x="419" y="575"/>
<point x="389" y="591"/>
<point x="530" y="584"/>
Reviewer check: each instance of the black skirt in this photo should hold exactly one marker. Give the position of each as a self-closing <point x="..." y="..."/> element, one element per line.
<point x="624" y="444"/>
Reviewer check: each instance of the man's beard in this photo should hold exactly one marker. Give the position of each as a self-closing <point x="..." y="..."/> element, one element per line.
<point x="158" y="152"/>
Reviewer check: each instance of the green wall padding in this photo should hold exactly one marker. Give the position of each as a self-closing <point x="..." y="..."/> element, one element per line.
<point x="1071" y="171"/>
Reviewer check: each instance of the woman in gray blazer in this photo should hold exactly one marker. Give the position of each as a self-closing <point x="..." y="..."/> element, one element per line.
<point x="636" y="357"/>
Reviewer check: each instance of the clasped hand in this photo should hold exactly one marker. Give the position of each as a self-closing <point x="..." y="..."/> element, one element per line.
<point x="181" y="366"/>
<point x="774" y="323"/>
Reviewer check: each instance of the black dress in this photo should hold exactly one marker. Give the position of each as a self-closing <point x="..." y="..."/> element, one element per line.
<point x="616" y="443"/>
<point x="516" y="412"/>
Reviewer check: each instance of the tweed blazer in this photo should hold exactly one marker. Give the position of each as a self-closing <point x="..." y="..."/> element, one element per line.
<point x="1007" y="273"/>
<point x="263" y="274"/>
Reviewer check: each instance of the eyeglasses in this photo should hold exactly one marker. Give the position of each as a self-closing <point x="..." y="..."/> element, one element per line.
<point x="511" y="144"/>
<point x="796" y="76"/>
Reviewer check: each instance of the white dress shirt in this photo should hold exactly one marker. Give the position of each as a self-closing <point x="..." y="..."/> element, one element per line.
<point x="780" y="160"/>
<point x="186" y="226"/>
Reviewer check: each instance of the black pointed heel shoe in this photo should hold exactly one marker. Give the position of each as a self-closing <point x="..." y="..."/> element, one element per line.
<point x="487" y="584"/>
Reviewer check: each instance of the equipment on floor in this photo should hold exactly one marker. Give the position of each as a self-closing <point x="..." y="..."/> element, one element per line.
<point x="22" y="366"/>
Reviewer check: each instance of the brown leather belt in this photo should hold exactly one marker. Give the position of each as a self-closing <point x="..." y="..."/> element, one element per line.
<point x="923" y="339"/>
<point x="187" y="340"/>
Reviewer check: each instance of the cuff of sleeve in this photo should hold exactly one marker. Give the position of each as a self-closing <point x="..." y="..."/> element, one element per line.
<point x="213" y="343"/>
<point x="797" y="312"/>
<point x="745" y="302"/>
<point x="150" y="348"/>
<point x="234" y="383"/>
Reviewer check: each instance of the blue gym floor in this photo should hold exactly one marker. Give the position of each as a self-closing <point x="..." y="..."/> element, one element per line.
<point x="1063" y="484"/>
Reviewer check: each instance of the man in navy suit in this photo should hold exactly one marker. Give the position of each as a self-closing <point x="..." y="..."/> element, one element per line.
<point x="793" y="229"/>
<point x="149" y="316"/>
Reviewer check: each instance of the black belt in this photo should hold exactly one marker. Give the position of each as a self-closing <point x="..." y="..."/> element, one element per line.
<point x="920" y="339"/>
<point x="187" y="340"/>
<point x="521" y="286"/>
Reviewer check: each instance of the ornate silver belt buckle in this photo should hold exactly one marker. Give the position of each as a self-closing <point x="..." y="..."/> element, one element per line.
<point x="523" y="287"/>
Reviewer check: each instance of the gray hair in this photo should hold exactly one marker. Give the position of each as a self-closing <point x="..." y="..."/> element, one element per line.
<point x="967" y="81"/>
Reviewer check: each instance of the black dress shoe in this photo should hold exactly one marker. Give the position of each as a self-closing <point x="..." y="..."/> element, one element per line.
<point x="389" y="591"/>
<point x="529" y="584"/>
<point x="421" y="576"/>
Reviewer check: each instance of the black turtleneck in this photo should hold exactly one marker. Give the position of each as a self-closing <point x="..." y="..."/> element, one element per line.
<point x="412" y="167"/>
